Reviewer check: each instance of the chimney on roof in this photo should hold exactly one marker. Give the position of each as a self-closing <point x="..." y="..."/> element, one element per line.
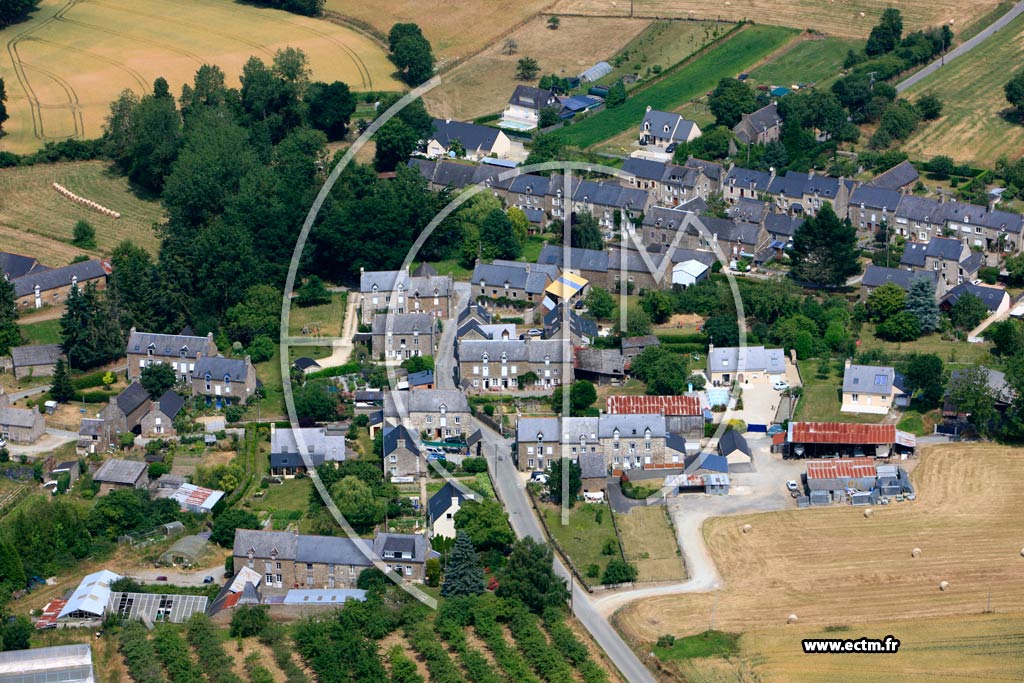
<point x="848" y="362"/>
<point x="810" y="175"/>
<point x="771" y="173"/>
<point x="361" y="270"/>
<point x="648" y="107"/>
<point x="448" y="120"/>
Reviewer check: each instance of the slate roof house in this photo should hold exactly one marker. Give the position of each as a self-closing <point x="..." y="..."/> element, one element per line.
<point x="870" y="205"/>
<point x="414" y="294"/>
<point x="14" y="266"/>
<point x="91" y="436"/>
<point x="124" y="414"/>
<point x="872" y="389"/>
<point x="320" y="444"/>
<point x="36" y="360"/>
<point x="20" y="425"/>
<point x="179" y="350"/>
<point x="734" y="448"/>
<point x="48" y="287"/>
<point x="159" y="421"/>
<point x="494" y="365"/>
<point x="224" y="380"/>
<point x="804" y="193"/>
<point x="477" y="141"/>
<point x="634" y="346"/>
<point x="662" y="128"/>
<point x="920" y="218"/>
<point x="442" y="507"/>
<point x="435" y="412"/>
<point x="602" y="200"/>
<point x="593" y="475"/>
<point x="902" y="177"/>
<point x="950" y="259"/>
<point x="401" y="336"/>
<point x="743" y="182"/>
<point x="511" y="280"/>
<point x="996" y="300"/>
<point x="745" y="364"/>
<point x="402" y="453"/>
<point x="523" y="110"/>
<point x="759" y="127"/>
<point x="876" y="276"/>
<point x="991" y="230"/>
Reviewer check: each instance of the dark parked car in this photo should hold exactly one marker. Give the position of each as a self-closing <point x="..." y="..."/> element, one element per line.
<point x="208" y="579"/>
<point x="161" y="578"/>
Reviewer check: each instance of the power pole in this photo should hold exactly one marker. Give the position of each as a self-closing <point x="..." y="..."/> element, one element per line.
<point x="872" y="75"/>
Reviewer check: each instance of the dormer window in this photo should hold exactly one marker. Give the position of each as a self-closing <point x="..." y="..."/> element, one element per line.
<point x="504" y="357"/>
<point x="485" y="358"/>
<point x="375" y="289"/>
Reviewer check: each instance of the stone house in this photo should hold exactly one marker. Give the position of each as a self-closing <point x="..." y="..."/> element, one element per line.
<point x="36" y="360"/>
<point x="759" y="127"/>
<point x="51" y="286"/>
<point x="158" y="422"/>
<point x="505" y="284"/>
<point x="226" y="380"/>
<point x="624" y="441"/>
<point x="743" y="182"/>
<point x="950" y="259"/>
<point x="412" y="294"/>
<point x="92" y="436"/>
<point x="805" y="193"/>
<point x="870" y="206"/>
<point x="20" y="425"/>
<point x="499" y="365"/>
<point x="401" y="336"/>
<point x="402" y="456"/>
<point x="178" y="350"/>
<point x="125" y="412"/>
<point x="438" y="413"/>
<point x="120" y="474"/>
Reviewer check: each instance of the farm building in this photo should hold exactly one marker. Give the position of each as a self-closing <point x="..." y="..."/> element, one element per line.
<point x="424" y="379"/>
<point x="830" y="480"/>
<point x="593" y="475"/>
<point x="824" y="439"/>
<point x="322" y="597"/>
<point x="683" y="414"/>
<point x="61" y="664"/>
<point x="306" y="365"/>
<point x="733" y="447"/>
<point x="705" y="472"/>
<point x="35" y="360"/>
<point x="197" y="499"/>
<point x="91" y="435"/>
<point x="152" y="608"/>
<point x="596" y="72"/>
<point x="120" y="474"/>
<point x="51" y="286"/>
<point x="186" y="551"/>
<point x="19" y="425"/>
<point x="89" y="601"/>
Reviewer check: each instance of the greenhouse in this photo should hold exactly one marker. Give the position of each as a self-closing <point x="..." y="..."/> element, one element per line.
<point x="186" y="552"/>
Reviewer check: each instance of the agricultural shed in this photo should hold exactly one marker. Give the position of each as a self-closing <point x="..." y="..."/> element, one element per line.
<point x="151" y="608"/>
<point x="186" y="551"/>
<point x="810" y="439"/>
<point x="837" y="475"/>
<point x="196" y="498"/>
<point x="61" y="664"/>
<point x="599" y="70"/>
<point x="90" y="599"/>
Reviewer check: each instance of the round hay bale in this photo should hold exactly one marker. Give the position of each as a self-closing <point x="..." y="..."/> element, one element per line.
<point x="869" y="512"/>
<point x="916" y="552"/>
<point x="791" y="619"/>
<point x="861" y="14"/>
<point x="1022" y="552"/>
<point x="943" y="585"/>
<point x="747" y="528"/>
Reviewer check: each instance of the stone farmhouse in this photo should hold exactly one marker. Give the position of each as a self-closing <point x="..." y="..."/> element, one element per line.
<point x="501" y="365"/>
<point x="224" y="381"/>
<point x="413" y="294"/>
<point x="51" y="286"/>
<point x="404" y="335"/>
<point x="180" y="351"/>
<point x="437" y="413"/>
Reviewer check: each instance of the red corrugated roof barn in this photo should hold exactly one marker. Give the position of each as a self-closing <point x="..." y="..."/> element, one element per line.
<point x="654" y="405"/>
<point x="841" y="433"/>
<point x="841" y="468"/>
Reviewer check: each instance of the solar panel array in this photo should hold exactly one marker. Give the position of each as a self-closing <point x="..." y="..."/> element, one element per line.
<point x="155" y="607"/>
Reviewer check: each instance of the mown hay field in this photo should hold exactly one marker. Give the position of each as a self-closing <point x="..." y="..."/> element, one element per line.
<point x="64" y="66"/>
<point x="483" y="84"/>
<point x="649" y="542"/>
<point x="455" y="28"/>
<point x="977" y="123"/>
<point x="833" y="566"/>
<point x="849" y="18"/>
<point x="37" y="221"/>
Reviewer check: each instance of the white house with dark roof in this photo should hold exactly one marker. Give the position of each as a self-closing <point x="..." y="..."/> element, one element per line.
<point x="291" y="448"/>
<point x="477" y="141"/>
<point x="728" y="364"/>
<point x="523" y="110"/>
<point x="442" y="507"/>
<point x="996" y="299"/>
<point x="871" y="389"/>
<point x="660" y="129"/>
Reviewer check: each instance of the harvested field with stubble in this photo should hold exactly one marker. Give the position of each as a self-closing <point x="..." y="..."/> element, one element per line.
<point x="66" y="63"/>
<point x="841" y="18"/>
<point x="37" y="221"/>
<point x="484" y="83"/>
<point x="832" y="566"/>
<point x="977" y="123"/>
<point x="455" y="28"/>
<point x="650" y="543"/>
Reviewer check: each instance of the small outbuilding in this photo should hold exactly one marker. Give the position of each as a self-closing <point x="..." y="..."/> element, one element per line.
<point x="120" y="474"/>
<point x="593" y="475"/>
<point x="306" y="365"/>
<point x="35" y="360"/>
<point x="734" y="448"/>
<point x="187" y="551"/>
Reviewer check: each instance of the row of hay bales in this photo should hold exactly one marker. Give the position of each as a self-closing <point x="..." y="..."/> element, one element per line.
<point x="99" y="208"/>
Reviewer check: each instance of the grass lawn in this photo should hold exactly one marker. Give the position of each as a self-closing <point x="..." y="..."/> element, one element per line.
<point x="583" y="537"/>
<point x="728" y="58"/>
<point x="293" y="494"/>
<point x="531" y="249"/>
<point x="916" y="422"/>
<point x="707" y="644"/>
<point x="43" y="332"/>
<point x="810" y="61"/>
<point x="974" y="126"/>
<point x="454" y="268"/>
<point x="949" y="352"/>
<point x="327" y="318"/>
<point x="821" y="399"/>
<point x="650" y="543"/>
<point x="663" y="44"/>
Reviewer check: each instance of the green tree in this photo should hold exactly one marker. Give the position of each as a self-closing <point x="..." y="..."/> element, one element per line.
<point x="157" y="379"/>
<point x="84" y="235"/>
<point x="529" y="577"/>
<point x="554" y="485"/>
<point x="12" y="573"/>
<point x="929" y="106"/>
<point x="1014" y="90"/>
<point x="260" y="349"/>
<point x="545" y="147"/>
<point x="582" y="395"/>
<point x="616" y="95"/>
<point x="90" y="333"/>
<point x="824" y="249"/>
<point x="638" y="323"/>
<point x="249" y="620"/>
<point x="585" y="232"/>
<point x="312" y="292"/>
<point x="527" y="69"/>
<point x="357" y="503"/>
<point x="331" y="105"/>
<point x="730" y="100"/>
<point x="396" y="140"/>
<point x="925" y="378"/>
<point x="432" y="572"/>
<point x="1007" y="337"/>
<point x="520" y="223"/>
<point x="885" y="302"/>
<point x="554" y="22"/>
<point x="227" y="522"/>
<point x="60" y="386"/>
<point x="970" y="392"/>
<point x="722" y="330"/>
<point x="968" y="312"/>
<point x="497" y="239"/>
<point x="10" y="332"/>
<point x="259" y="313"/>
<point x="600" y="303"/>
<point x="658" y="305"/>
<point x="462" y="575"/>
<point x="315" y="401"/>
<point x="618" y="571"/>
<point x="17" y="633"/>
<point x="132" y="287"/>
<point x="411" y="53"/>
<point x="903" y="326"/>
<point x="418" y="363"/>
<point x="886" y="35"/>
<point x="921" y="302"/>
<point x="713" y="144"/>
<point x="155" y="137"/>
<point x="486" y="523"/>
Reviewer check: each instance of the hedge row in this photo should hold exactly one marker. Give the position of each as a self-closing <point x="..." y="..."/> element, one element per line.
<point x="548" y="662"/>
<point x="566" y="642"/>
<point x="175" y="656"/>
<point x="139" y="654"/>
<point x="346" y="369"/>
<point x="216" y="662"/>
<point x="439" y="662"/>
<point x="509" y="659"/>
<point x="281" y="648"/>
<point x="694" y="338"/>
<point x="473" y="661"/>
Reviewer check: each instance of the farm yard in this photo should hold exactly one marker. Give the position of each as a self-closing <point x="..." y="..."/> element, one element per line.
<point x="972" y="127"/>
<point x="483" y="84"/>
<point x="727" y="58"/>
<point x="853" y="18"/>
<point x="838" y="570"/>
<point x="36" y="220"/>
<point x="71" y="59"/>
<point x="444" y="23"/>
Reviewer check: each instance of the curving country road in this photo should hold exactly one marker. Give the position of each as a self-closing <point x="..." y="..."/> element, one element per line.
<point x="962" y="49"/>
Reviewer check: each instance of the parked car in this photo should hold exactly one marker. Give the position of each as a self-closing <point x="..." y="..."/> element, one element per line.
<point x="911" y="496"/>
<point x="161" y="578"/>
<point x="534" y="332"/>
<point x="539" y="477"/>
<point x="208" y="579"/>
<point x="780" y="385"/>
<point x="792" y="485"/>
<point x="456" y="440"/>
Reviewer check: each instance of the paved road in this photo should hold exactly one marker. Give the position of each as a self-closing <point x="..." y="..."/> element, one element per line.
<point x="962" y="49"/>
<point x="444" y="360"/>
<point x="342" y="347"/>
